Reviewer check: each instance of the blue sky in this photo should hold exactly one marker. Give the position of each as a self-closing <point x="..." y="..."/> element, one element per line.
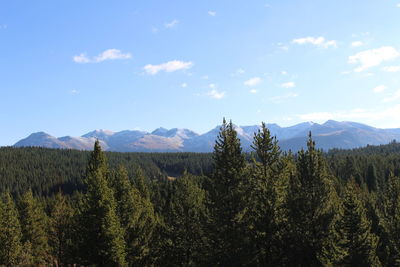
<point x="69" y="67"/>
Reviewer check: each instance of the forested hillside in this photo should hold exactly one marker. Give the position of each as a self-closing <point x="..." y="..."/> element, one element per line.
<point x="227" y="208"/>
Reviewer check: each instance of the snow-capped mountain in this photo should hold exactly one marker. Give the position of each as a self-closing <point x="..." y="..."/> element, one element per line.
<point x="331" y="134"/>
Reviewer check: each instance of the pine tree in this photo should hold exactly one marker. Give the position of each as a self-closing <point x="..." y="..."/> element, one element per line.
<point x="358" y="242"/>
<point x="61" y="229"/>
<point x="186" y="219"/>
<point x="313" y="212"/>
<point x="371" y="178"/>
<point x="390" y="220"/>
<point x="103" y="237"/>
<point x="260" y="216"/>
<point x="226" y="194"/>
<point x="10" y="233"/>
<point x="137" y="218"/>
<point x="34" y="224"/>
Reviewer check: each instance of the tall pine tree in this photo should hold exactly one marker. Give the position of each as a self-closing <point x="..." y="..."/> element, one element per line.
<point x="312" y="204"/>
<point x="34" y="222"/>
<point x="358" y="242"/>
<point x="10" y="233"/>
<point x="137" y="218"/>
<point x="103" y="237"/>
<point x="226" y="195"/>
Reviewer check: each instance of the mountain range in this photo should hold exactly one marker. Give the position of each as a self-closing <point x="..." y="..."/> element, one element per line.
<point x="331" y="134"/>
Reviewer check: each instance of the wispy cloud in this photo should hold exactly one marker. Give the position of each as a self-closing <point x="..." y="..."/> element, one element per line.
<point x="253" y="91"/>
<point x="169" y="66"/>
<point x="288" y="85"/>
<point x="357" y="44"/>
<point x="212" y="85"/>
<point x="212" y="13"/>
<point x="391" y="68"/>
<point x="81" y="58"/>
<point x="379" y="89"/>
<point x="281" y="98"/>
<point x="171" y="24"/>
<point x="373" y="57"/>
<point x="109" y="54"/>
<point x="253" y="81"/>
<point x="184" y="85"/>
<point x="317" y="41"/>
<point x="392" y="98"/>
<point x="216" y="94"/>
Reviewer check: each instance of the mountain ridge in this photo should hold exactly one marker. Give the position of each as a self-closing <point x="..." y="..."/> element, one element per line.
<point x="331" y="134"/>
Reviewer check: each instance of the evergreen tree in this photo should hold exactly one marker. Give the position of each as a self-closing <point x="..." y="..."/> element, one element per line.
<point x="137" y="218"/>
<point x="10" y="233"/>
<point x="186" y="220"/>
<point x="390" y="220"/>
<point x="371" y="178"/>
<point x="61" y="229"/>
<point x="358" y="242"/>
<point x="103" y="237"/>
<point x="313" y="212"/>
<point x="261" y="214"/>
<point x="34" y="223"/>
<point x="226" y="194"/>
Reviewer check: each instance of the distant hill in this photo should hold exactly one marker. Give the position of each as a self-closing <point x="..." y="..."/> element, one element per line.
<point x="331" y="134"/>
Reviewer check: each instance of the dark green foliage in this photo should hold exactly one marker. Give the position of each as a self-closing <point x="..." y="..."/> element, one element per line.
<point x="390" y="221"/>
<point x="226" y="194"/>
<point x="10" y="233"/>
<point x="34" y="223"/>
<point x="261" y="215"/>
<point x="186" y="220"/>
<point x="312" y="206"/>
<point x="358" y="242"/>
<point x="266" y="208"/>
<point x="103" y="241"/>
<point x="61" y="229"/>
<point x="137" y="218"/>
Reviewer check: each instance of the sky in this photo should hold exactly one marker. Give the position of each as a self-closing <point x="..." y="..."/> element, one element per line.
<point x="69" y="67"/>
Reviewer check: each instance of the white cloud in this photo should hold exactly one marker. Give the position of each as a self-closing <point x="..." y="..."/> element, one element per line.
<point x="109" y="54"/>
<point x="280" y="98"/>
<point x="398" y="5"/>
<point x="253" y="91"/>
<point x="171" y="24"/>
<point x="212" y="85"/>
<point x="288" y="85"/>
<point x="391" y="68"/>
<point x="112" y="54"/>
<point x="317" y="41"/>
<point x="184" y="85"/>
<point x="205" y="77"/>
<point x="253" y="81"/>
<point x="284" y="72"/>
<point x="212" y="13"/>
<point x="81" y="58"/>
<point x="392" y="98"/>
<point x="379" y="89"/>
<point x="373" y="57"/>
<point x="216" y="94"/>
<point x="74" y="92"/>
<point x="357" y="44"/>
<point x="169" y="66"/>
